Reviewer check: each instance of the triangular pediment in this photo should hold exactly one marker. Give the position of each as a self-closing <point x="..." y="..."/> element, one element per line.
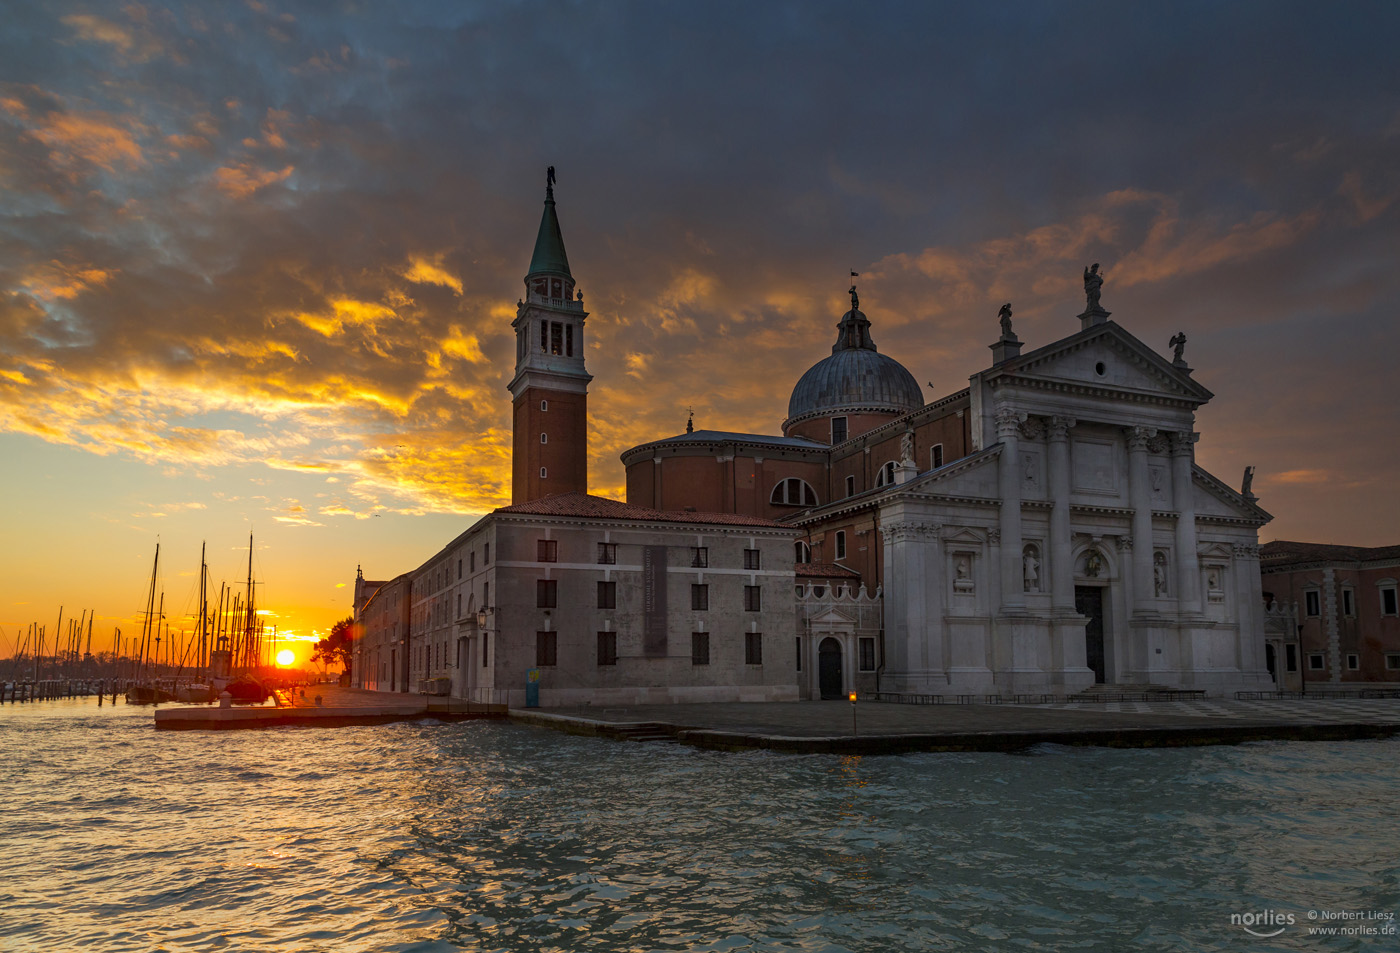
<point x="974" y="476"/>
<point x="1104" y="358"/>
<point x="833" y="618"/>
<point x="1214" y="499"/>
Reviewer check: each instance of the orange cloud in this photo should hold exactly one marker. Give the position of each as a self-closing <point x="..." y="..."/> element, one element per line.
<point x="426" y="271"/>
<point x="244" y="179"/>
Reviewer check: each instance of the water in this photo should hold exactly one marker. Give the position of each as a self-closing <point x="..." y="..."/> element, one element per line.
<point x="490" y="836"/>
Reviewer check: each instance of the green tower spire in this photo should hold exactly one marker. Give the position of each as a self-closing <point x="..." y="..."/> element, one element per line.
<point x="549" y="257"/>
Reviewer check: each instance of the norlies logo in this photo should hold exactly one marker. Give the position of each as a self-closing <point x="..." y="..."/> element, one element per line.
<point x="1264" y="924"/>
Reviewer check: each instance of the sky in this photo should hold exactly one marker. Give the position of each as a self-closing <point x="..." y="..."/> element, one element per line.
<point x="259" y="260"/>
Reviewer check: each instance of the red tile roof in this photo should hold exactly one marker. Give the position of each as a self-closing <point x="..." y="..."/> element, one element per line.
<point x="584" y="504"/>
<point x="1283" y="552"/>
<point x="824" y="571"/>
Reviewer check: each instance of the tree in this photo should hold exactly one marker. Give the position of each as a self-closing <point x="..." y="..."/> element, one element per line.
<point x="336" y="648"/>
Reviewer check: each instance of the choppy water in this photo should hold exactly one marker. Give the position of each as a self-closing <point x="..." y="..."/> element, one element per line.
<point x="491" y="836"/>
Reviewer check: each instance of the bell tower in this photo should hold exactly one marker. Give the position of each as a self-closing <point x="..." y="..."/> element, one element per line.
<point x="550" y="386"/>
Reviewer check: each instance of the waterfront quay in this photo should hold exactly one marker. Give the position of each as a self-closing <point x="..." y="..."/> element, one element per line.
<point x="325" y="706"/>
<point x="839" y="727"/>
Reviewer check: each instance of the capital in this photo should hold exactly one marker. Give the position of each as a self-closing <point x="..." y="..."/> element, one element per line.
<point x="1059" y="427"/>
<point x="1009" y="422"/>
<point x="1182" y="442"/>
<point x="1138" y="437"/>
<point x="1125" y="544"/>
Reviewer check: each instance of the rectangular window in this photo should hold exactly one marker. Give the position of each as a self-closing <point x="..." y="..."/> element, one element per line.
<point x="459" y="605"/>
<point x="1392" y="662"/>
<point x="607" y="554"/>
<point x="568" y="340"/>
<point x="838" y="430"/>
<point x="751" y="559"/>
<point x="699" y="557"/>
<point x="459" y="570"/>
<point x="1290" y="654"/>
<point x="1348" y="602"/>
<point x="607" y="595"/>
<point x="546" y="593"/>
<point x="1315" y="662"/>
<point x="753" y="597"/>
<point x="485" y="649"/>
<point x="544" y="336"/>
<point x="840" y="544"/>
<point x="547" y="551"/>
<point x="556" y="338"/>
<point x="607" y="648"/>
<point x="1353" y="662"/>
<point x="798" y="641"/>
<point x="1312" y="603"/>
<point x="699" y="648"/>
<point x="867" y="653"/>
<point x="546" y="649"/>
<point x="699" y="598"/>
<point x="936" y="455"/>
<point x="485" y="594"/>
<point x="1388" y="601"/>
<point x="471" y="561"/>
<point x="753" y="648"/>
<point x="850" y="486"/>
<point x="486" y="555"/>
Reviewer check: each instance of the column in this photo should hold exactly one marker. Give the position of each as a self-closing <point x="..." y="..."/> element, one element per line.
<point x="1012" y="587"/>
<point x="1061" y="543"/>
<point x="1188" y="574"/>
<point x="1140" y="498"/>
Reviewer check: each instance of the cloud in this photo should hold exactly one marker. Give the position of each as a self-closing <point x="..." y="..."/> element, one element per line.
<point x="244" y="179"/>
<point x="422" y="270"/>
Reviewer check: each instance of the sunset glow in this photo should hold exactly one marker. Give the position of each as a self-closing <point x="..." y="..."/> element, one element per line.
<point x="260" y="260"/>
<point x="286" y="657"/>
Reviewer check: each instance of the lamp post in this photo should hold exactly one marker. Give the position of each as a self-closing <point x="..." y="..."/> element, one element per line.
<point x="854" y="728"/>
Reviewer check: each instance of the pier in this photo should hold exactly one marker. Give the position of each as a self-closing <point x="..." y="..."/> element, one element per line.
<point x="838" y="727"/>
<point x="324" y="706"/>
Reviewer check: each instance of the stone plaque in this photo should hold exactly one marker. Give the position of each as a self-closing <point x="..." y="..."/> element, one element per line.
<point x="1093" y="466"/>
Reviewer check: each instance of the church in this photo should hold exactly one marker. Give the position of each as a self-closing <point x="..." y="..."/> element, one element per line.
<point x="1041" y="531"/>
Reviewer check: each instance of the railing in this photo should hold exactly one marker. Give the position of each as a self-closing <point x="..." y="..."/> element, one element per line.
<point x="1041" y="698"/>
<point x="1320" y="693"/>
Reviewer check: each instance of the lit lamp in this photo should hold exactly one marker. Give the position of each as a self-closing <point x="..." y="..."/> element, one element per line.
<point x="854" y="729"/>
<point x="481" y="618"/>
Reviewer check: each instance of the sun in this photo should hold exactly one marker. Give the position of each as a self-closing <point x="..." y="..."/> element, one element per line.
<point x="286" y="657"/>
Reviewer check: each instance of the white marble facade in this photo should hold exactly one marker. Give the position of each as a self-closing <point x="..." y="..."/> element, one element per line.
<point x="1079" y="543"/>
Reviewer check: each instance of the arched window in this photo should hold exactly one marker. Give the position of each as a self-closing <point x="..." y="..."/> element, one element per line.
<point x="804" y="552"/>
<point x="544" y="473"/>
<point x="886" y="476"/>
<point x="544" y="438"/>
<point x="793" y="492"/>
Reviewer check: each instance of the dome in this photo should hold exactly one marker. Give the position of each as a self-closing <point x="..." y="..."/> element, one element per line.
<point x="855" y="377"/>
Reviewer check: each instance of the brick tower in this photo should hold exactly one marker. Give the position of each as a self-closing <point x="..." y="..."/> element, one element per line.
<point x="550" y="387"/>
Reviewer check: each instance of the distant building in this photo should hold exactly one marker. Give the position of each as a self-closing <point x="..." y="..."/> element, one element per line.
<point x="1346" y="609"/>
<point x="1043" y="530"/>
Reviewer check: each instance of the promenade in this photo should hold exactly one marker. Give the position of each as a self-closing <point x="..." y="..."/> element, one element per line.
<point x="325" y="706"/>
<point x="884" y="728"/>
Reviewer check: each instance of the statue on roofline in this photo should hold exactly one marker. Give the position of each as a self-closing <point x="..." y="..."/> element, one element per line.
<point x="1005" y="315"/>
<point x="1093" y="287"/>
<point x="1178" y="342"/>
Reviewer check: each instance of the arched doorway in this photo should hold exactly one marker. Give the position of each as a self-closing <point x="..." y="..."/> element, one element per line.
<point x="829" y="668"/>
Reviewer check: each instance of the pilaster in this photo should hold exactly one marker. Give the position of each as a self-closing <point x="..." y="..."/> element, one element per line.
<point x="1187" y="582"/>
<point x="1008" y="424"/>
<point x="1140" y="498"/>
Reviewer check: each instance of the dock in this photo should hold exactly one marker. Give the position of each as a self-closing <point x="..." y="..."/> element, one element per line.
<point x="324" y="706"/>
<point x="828" y="727"/>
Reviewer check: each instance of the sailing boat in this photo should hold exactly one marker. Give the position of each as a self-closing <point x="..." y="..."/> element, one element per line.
<point x="149" y="694"/>
<point x="246" y="689"/>
<point x="200" y="692"/>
